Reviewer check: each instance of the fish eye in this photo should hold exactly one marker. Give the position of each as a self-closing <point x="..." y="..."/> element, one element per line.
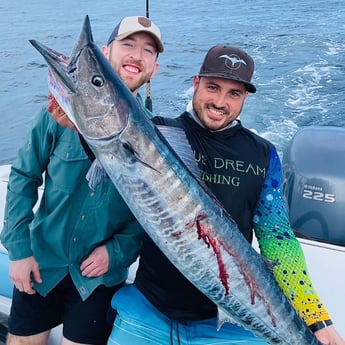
<point x="97" y="80"/>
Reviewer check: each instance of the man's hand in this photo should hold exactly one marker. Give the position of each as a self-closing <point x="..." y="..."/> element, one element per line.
<point x="22" y="272"/>
<point x="58" y="114"/>
<point x="96" y="264"/>
<point x="329" y="336"/>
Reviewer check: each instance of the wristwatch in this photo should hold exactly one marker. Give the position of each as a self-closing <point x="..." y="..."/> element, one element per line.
<point x="320" y="325"/>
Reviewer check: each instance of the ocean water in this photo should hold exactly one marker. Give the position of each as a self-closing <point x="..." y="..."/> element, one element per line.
<point x="298" y="48"/>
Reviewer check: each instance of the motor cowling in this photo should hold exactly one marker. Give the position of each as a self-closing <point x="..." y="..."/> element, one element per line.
<point x="314" y="183"/>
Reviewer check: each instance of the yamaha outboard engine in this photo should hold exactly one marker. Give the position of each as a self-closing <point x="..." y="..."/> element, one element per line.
<point x="314" y="183"/>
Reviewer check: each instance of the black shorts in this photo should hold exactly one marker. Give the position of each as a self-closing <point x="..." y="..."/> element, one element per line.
<point x="88" y="322"/>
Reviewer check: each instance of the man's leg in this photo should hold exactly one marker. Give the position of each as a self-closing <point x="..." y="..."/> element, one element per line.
<point x="138" y="321"/>
<point x="86" y="322"/>
<point x="32" y="317"/>
<point x="205" y="332"/>
<point x="37" y="339"/>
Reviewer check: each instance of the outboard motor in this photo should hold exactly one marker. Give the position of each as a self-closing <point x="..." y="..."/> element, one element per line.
<point x="314" y="183"/>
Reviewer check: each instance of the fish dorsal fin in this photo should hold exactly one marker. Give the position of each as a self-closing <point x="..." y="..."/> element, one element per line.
<point x="177" y="139"/>
<point x="95" y="174"/>
<point x="85" y="37"/>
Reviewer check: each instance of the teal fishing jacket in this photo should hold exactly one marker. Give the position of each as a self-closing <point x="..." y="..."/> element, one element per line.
<point x="71" y="219"/>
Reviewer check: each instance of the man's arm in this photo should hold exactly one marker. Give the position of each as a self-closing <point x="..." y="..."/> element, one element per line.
<point x="278" y="244"/>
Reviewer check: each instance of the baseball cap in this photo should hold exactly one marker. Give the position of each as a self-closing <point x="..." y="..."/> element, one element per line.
<point x="231" y="63"/>
<point x="130" y="25"/>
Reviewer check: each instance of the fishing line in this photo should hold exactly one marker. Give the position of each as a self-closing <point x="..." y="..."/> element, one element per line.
<point x="148" y="100"/>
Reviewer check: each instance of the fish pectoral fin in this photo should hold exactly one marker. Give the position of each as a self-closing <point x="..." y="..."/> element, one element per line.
<point x="225" y="317"/>
<point x="95" y="174"/>
<point x="178" y="141"/>
<point x="136" y="156"/>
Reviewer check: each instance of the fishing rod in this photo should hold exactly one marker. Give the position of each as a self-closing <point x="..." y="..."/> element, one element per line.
<point x="148" y="100"/>
<point x="147" y="8"/>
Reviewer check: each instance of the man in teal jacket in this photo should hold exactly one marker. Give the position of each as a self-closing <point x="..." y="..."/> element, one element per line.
<point x="68" y="258"/>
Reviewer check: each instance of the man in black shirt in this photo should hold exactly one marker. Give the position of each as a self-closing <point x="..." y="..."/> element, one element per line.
<point x="162" y="306"/>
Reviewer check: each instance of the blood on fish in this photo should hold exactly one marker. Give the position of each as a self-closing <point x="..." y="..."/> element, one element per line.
<point x="205" y="233"/>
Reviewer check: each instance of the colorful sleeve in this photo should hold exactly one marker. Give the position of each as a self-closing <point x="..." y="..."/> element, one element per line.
<point x="278" y="243"/>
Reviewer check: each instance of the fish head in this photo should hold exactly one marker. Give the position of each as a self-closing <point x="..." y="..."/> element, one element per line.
<point x="88" y="88"/>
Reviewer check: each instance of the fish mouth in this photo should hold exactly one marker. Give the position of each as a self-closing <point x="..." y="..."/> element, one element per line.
<point x="58" y="63"/>
<point x="62" y="66"/>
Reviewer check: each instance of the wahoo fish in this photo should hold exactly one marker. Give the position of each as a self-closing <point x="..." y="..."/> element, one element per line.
<point x="159" y="181"/>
